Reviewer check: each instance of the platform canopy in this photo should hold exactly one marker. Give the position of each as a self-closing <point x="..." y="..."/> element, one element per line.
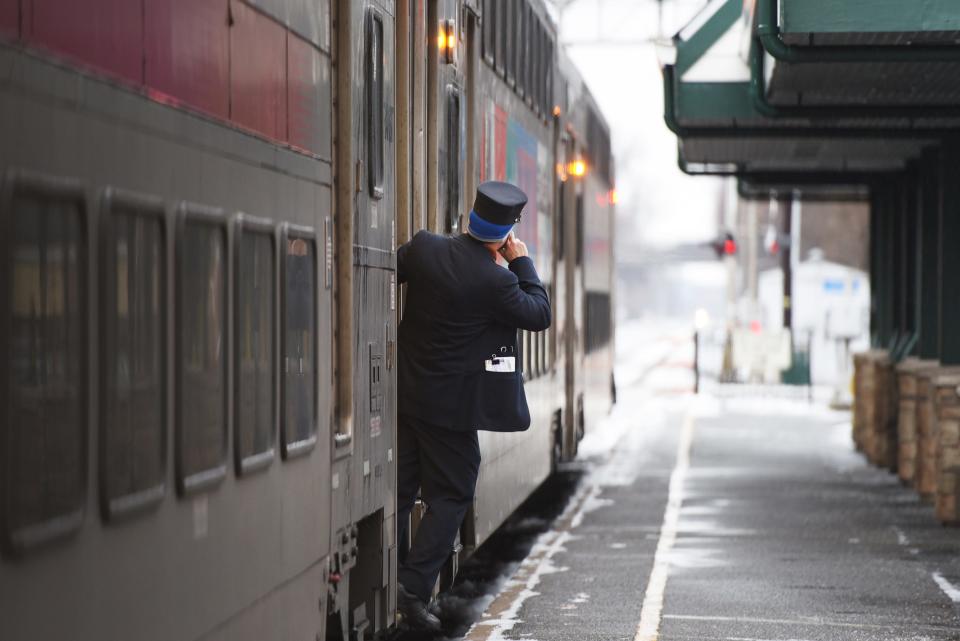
<point x="739" y="107"/>
<point x="878" y="53"/>
<point x="825" y="187"/>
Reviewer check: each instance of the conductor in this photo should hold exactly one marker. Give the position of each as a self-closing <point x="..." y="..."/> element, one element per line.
<point x="459" y="369"/>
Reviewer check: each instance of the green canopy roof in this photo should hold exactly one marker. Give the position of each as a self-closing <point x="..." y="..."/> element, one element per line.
<point x="721" y="92"/>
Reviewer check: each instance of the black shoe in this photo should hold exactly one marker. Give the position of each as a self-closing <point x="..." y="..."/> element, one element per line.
<point x="415" y="613"/>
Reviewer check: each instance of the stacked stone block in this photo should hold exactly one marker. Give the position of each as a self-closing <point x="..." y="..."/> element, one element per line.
<point x="863" y="398"/>
<point x="946" y="448"/>
<point x="923" y="480"/>
<point x="883" y="442"/>
<point x="907" y="416"/>
<point x="875" y="408"/>
<point x="870" y="410"/>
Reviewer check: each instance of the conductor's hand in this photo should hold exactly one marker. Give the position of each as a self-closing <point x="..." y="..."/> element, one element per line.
<point x="513" y="248"/>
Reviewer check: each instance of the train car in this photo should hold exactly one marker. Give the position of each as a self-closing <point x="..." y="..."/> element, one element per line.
<point x="197" y="437"/>
<point x="199" y="207"/>
<point x="591" y="199"/>
<point x="514" y="129"/>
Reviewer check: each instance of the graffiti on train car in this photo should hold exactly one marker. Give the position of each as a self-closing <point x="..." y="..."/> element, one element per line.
<point x="511" y="153"/>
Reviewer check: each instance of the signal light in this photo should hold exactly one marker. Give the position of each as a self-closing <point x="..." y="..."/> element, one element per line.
<point x="614" y="197"/>
<point x="577" y="168"/>
<point x="725" y="246"/>
<point x="771" y="240"/>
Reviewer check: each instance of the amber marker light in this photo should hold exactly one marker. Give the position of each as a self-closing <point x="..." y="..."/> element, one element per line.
<point x="447" y="40"/>
<point x="577" y="168"/>
<point x="556" y="111"/>
<point x="614" y="196"/>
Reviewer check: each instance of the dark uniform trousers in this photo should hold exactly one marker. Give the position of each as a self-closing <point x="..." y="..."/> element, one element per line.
<point x="443" y="464"/>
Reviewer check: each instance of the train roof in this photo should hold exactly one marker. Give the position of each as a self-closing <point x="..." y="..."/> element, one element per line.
<point x="584" y="118"/>
<point x="579" y="98"/>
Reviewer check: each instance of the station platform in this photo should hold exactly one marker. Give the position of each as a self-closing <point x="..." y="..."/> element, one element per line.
<point x="740" y="518"/>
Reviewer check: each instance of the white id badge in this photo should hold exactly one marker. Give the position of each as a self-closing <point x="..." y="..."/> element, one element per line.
<point x="501" y="364"/>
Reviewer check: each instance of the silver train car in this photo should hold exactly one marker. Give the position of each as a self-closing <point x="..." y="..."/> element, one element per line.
<point x="199" y="207"/>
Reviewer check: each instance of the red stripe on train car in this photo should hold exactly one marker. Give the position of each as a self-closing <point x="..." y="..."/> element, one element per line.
<point x="10" y="17"/>
<point x="308" y="80"/>
<point x="258" y="72"/>
<point x="188" y="52"/>
<point x="103" y="34"/>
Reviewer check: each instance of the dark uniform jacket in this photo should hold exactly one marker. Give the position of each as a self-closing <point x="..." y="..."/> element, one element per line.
<point x="461" y="309"/>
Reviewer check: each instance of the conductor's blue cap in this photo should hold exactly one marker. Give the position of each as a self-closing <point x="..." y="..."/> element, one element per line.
<point x="496" y="210"/>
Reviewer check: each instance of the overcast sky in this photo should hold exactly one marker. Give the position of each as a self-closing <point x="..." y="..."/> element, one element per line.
<point x="611" y="41"/>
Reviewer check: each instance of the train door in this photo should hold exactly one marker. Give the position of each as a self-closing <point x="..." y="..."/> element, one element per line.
<point x="558" y="333"/>
<point x="439" y="165"/>
<point x="364" y="470"/>
<point x="573" y="322"/>
<point x="411" y="69"/>
<point x="411" y="61"/>
<point x="473" y="123"/>
<point x="446" y="107"/>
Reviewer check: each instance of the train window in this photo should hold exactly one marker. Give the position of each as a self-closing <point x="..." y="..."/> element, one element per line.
<point x="579" y="226"/>
<point x="535" y="63"/>
<point x="549" y="99"/>
<point x="544" y="336"/>
<point x="564" y="93"/>
<point x="545" y="351"/>
<point x="374" y="80"/>
<point x="299" y="342"/>
<point x="598" y="320"/>
<point x="201" y="443"/>
<point x="452" y="205"/>
<point x="528" y="355"/>
<point x="547" y="70"/>
<point x="532" y="358"/>
<point x="520" y="44"/>
<point x="528" y="81"/>
<point x="541" y="339"/>
<point x="522" y="356"/>
<point x="535" y="354"/>
<point x="551" y="349"/>
<point x="561" y="215"/>
<point x="256" y="393"/>
<point x="538" y="75"/>
<point x="44" y="432"/>
<point x="501" y="33"/>
<point x="134" y="429"/>
<point x="511" y="38"/>
<point x="489" y="30"/>
<point x="531" y="26"/>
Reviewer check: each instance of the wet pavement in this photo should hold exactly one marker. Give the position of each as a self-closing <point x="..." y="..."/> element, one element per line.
<point x="742" y="519"/>
<point x="719" y="516"/>
<point x="786" y="533"/>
